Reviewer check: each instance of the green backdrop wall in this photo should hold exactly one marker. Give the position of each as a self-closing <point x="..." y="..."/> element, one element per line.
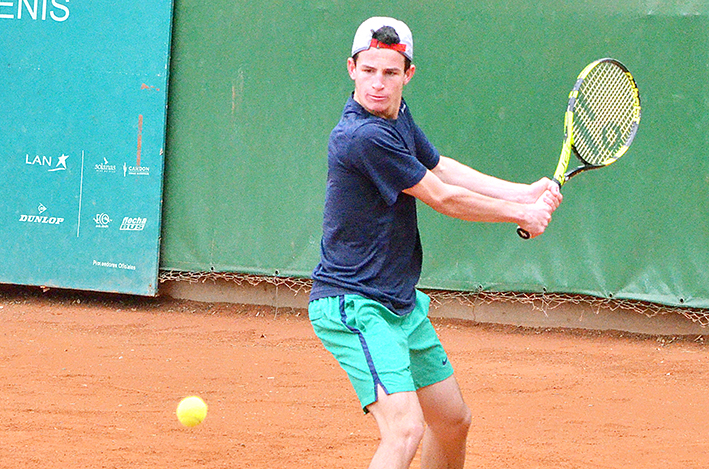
<point x="257" y="86"/>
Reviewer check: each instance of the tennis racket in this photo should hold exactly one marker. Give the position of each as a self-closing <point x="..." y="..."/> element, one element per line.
<point x="601" y="119"/>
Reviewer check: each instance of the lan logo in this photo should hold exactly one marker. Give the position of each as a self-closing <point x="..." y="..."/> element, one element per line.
<point x="47" y="161"/>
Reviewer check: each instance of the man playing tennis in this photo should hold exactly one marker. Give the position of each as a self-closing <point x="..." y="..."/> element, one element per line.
<point x="364" y="305"/>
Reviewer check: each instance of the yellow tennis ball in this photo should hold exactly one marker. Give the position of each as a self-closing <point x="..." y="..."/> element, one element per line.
<point x="191" y="411"/>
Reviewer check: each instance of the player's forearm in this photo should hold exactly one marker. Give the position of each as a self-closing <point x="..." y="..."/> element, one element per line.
<point x="461" y="203"/>
<point x="453" y="172"/>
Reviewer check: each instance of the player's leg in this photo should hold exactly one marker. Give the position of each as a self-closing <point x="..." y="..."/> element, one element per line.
<point x="448" y="420"/>
<point x="446" y="415"/>
<point x="401" y="427"/>
<point x="371" y="345"/>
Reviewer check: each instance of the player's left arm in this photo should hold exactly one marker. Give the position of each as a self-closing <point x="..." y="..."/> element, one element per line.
<point x="455" y="173"/>
<point x="458" y="202"/>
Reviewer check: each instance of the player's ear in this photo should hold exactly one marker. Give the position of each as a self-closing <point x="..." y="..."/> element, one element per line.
<point x="351" y="65"/>
<point x="409" y="74"/>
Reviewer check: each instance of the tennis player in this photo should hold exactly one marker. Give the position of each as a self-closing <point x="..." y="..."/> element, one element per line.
<point x="364" y="305"/>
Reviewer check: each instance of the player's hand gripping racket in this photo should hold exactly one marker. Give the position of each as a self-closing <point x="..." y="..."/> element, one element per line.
<point x="601" y="119"/>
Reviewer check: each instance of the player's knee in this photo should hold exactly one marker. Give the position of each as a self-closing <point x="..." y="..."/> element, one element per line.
<point x="456" y="424"/>
<point x="465" y="419"/>
<point x="415" y="431"/>
<point x="406" y="435"/>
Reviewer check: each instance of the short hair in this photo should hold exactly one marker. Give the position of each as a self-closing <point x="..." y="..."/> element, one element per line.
<point x="387" y="35"/>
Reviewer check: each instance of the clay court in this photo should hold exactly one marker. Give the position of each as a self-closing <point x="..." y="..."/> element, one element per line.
<point x="92" y="381"/>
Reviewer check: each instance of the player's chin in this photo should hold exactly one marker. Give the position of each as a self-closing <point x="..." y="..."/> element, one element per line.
<point x="379" y="106"/>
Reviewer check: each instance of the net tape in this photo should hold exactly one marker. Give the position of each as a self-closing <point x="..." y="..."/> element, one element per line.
<point x="543" y="302"/>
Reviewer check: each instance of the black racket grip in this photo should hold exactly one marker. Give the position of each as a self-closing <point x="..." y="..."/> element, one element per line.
<point x="524" y="234"/>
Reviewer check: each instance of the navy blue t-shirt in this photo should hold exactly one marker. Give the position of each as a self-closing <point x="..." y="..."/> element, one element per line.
<point x="371" y="245"/>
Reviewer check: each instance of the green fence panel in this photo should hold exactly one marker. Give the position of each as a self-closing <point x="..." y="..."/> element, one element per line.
<point x="257" y="86"/>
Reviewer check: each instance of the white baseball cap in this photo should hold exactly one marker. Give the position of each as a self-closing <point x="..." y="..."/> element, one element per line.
<point x="363" y="37"/>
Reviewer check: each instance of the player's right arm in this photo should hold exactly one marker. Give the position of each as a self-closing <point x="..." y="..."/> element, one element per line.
<point x="453" y="172"/>
<point x="460" y="202"/>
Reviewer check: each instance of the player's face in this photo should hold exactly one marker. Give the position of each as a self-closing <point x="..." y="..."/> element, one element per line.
<point x="379" y="78"/>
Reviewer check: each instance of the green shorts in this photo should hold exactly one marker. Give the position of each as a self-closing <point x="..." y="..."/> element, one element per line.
<point x="379" y="348"/>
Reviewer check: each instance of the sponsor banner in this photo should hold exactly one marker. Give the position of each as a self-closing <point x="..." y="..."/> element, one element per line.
<point x="84" y="95"/>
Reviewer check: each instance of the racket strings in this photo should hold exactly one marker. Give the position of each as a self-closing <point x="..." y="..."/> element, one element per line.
<point x="605" y="113"/>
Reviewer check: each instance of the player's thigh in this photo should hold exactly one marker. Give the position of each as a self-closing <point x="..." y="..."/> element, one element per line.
<point x="397" y="408"/>
<point x="442" y="403"/>
<point x="367" y="341"/>
<point x="330" y="322"/>
<point x="429" y="361"/>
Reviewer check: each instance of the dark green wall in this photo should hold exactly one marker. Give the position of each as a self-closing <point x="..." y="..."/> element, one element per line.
<point x="256" y="88"/>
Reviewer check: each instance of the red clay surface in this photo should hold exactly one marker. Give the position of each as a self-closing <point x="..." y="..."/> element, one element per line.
<point x="92" y="381"/>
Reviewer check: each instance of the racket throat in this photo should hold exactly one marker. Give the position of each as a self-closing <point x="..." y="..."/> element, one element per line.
<point x="560" y="175"/>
